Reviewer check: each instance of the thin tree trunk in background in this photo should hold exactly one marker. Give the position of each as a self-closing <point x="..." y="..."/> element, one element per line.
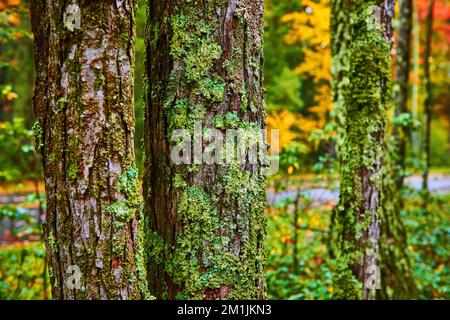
<point x="428" y="104"/>
<point x="204" y="64"/>
<point x="295" y="260"/>
<point x="401" y="88"/>
<point x="415" y="135"/>
<point x="83" y="100"/>
<point x="340" y="40"/>
<point x="44" y="279"/>
<point x="364" y="100"/>
<point x="395" y="266"/>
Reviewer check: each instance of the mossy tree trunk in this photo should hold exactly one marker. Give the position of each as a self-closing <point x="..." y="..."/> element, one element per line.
<point x="83" y="100"/>
<point x="364" y="95"/>
<point x="395" y="266"/>
<point x="428" y="105"/>
<point x="204" y="64"/>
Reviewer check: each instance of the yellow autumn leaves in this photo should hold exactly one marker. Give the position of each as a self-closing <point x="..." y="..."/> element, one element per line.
<point x="310" y="29"/>
<point x="312" y="26"/>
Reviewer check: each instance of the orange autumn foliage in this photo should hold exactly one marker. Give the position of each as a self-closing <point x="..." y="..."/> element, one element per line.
<point x="14" y="19"/>
<point x="6" y="3"/>
<point x="13" y="2"/>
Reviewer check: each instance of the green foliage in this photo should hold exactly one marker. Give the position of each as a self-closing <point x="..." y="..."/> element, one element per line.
<point x="23" y="274"/>
<point x="16" y="63"/>
<point x="285" y="91"/>
<point x="22" y="271"/>
<point x="429" y="238"/>
<point x="428" y="235"/>
<point x="405" y="120"/>
<point x="313" y="278"/>
<point x="17" y="152"/>
<point x="283" y="87"/>
<point x="439" y="144"/>
<point x="293" y="156"/>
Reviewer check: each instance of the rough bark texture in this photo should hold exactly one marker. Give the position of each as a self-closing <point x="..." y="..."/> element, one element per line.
<point x="205" y="63"/>
<point x="363" y="83"/>
<point x="428" y="104"/>
<point x="84" y="52"/>
<point x="396" y="272"/>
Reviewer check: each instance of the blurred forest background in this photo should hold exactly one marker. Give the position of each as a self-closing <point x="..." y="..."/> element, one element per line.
<point x="300" y="198"/>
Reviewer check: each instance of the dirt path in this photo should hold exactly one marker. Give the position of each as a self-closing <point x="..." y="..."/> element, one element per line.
<point x="438" y="184"/>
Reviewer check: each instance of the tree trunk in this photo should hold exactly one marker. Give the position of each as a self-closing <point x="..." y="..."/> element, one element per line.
<point x="83" y="100"/>
<point x="401" y="88"/>
<point x="428" y="105"/>
<point x="415" y="135"/>
<point x="295" y="254"/>
<point x="340" y="39"/>
<point x="395" y="266"/>
<point x="204" y="66"/>
<point x="365" y="78"/>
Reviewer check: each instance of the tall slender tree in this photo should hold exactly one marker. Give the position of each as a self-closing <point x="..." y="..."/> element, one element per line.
<point x="83" y="100"/>
<point x="364" y="30"/>
<point x="395" y="266"/>
<point x="401" y="88"/>
<point x="428" y="104"/>
<point x="204" y="66"/>
<point x="415" y="136"/>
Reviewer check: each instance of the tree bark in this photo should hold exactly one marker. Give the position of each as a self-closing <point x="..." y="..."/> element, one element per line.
<point x="83" y="100"/>
<point x="364" y="90"/>
<point x="205" y="65"/>
<point x="395" y="266"/>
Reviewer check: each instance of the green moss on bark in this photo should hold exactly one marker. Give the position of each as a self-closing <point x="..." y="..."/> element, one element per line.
<point x="362" y="85"/>
<point x="206" y="237"/>
<point x="84" y="105"/>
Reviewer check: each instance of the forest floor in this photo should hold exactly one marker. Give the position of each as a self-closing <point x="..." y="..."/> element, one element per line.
<point x="427" y="239"/>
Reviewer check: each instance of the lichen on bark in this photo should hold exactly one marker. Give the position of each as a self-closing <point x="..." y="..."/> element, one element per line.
<point x="83" y="101"/>
<point x="362" y="90"/>
<point x="207" y="220"/>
